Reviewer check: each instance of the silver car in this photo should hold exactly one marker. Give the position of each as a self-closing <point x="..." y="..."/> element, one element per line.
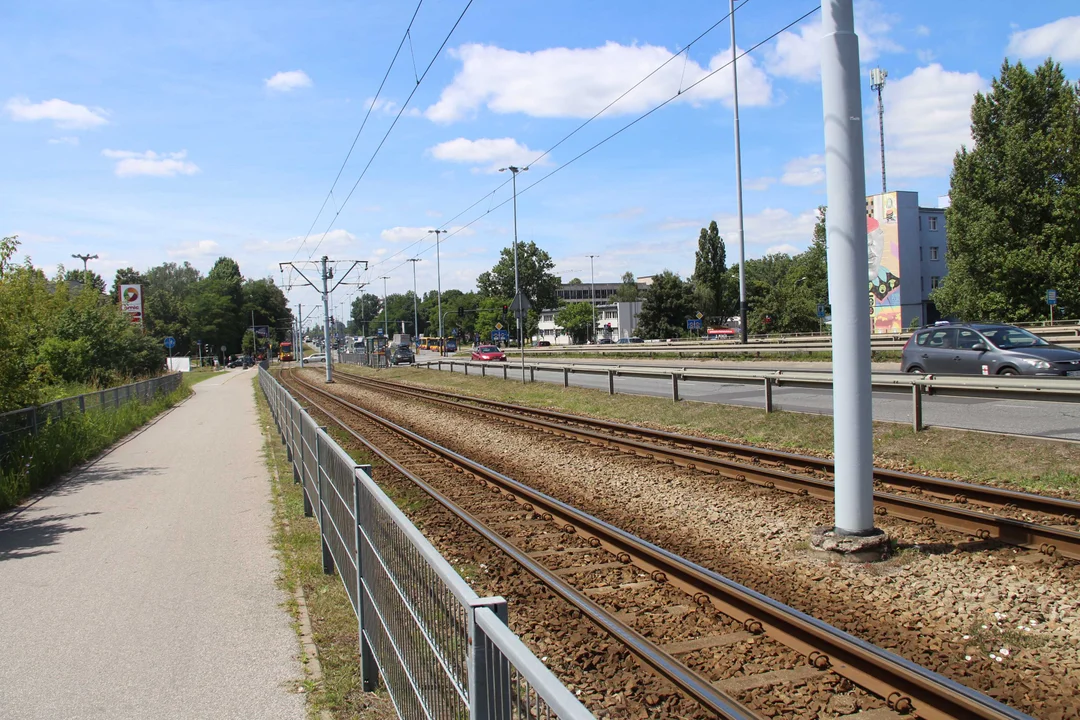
<point x="986" y="349"/>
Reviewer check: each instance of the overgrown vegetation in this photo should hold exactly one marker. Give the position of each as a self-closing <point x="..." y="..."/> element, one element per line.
<point x="35" y="461"/>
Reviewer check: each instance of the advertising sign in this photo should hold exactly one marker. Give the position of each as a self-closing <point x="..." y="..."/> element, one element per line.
<point x="883" y="250"/>
<point x="262" y="331"/>
<point x="131" y="302"/>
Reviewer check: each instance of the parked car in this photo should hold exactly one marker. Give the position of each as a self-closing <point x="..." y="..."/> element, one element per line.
<point x="623" y="341"/>
<point x="315" y="359"/>
<point x="636" y="340"/>
<point x="488" y="352"/>
<point x="605" y="341"/>
<point x="543" y="343"/>
<point x="985" y="349"/>
<point x="235" y="363"/>
<point x="402" y="355"/>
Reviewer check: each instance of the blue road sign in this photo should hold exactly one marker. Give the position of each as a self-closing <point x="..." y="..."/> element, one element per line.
<point x="378" y="331"/>
<point x="693" y="324"/>
<point x="820" y="310"/>
<point x="500" y="334"/>
<point x="1051" y="297"/>
<point x="170" y="342"/>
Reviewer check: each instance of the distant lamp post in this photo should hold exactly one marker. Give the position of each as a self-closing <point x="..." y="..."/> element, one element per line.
<point x="438" y="283"/>
<point x="415" y="320"/>
<point x="592" y="280"/>
<point x="517" y="286"/>
<point x="86" y="273"/>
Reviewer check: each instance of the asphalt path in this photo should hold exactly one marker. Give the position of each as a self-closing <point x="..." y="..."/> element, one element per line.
<point x="1042" y="419"/>
<point x="143" y="586"/>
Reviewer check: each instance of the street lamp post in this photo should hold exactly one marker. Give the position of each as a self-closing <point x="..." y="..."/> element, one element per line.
<point x="517" y="284"/>
<point x="385" y="309"/>
<point x="738" y="179"/>
<point x="438" y="287"/>
<point x="85" y="272"/>
<point x="415" y="321"/>
<point x="592" y="280"/>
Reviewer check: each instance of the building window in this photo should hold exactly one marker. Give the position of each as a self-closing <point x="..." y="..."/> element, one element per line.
<point x="935" y="282"/>
<point x="920" y="223"/>
<point x="932" y="222"/>
<point x="933" y="253"/>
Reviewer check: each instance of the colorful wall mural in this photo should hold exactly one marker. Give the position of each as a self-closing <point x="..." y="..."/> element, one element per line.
<point x="883" y="246"/>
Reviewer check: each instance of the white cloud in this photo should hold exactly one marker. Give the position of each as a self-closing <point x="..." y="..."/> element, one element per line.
<point x="925" y="56"/>
<point x="679" y="224"/>
<point x="66" y="140"/>
<point x="922" y="31"/>
<point x="61" y="112"/>
<point x="578" y="82"/>
<point x="412" y="234"/>
<point x="1059" y="39"/>
<point x="927" y="119"/>
<point x="804" y="171"/>
<point x="288" y="81"/>
<point x="151" y="163"/>
<point x="194" y="249"/>
<point x="798" y="54"/>
<point x="759" y="184"/>
<point x="337" y="238"/>
<point x="786" y="249"/>
<point x="771" y="228"/>
<point x="491" y="153"/>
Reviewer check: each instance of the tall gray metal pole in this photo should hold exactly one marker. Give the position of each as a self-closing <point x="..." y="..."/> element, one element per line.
<point x="438" y="286"/>
<point x="738" y="178"/>
<point x="415" y="321"/>
<point x="300" y="334"/>
<point x="326" y="321"/>
<point x="592" y="280"/>
<point x="877" y="83"/>
<point x="845" y="186"/>
<point x="385" y="310"/>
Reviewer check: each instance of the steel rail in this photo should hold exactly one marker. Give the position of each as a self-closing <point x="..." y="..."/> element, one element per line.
<point x="1042" y="538"/>
<point x="906" y="686"/>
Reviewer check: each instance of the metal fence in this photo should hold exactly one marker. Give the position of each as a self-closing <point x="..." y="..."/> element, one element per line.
<point x="374" y="360"/>
<point x="1016" y="387"/>
<point x="18" y="424"/>
<point x="442" y="651"/>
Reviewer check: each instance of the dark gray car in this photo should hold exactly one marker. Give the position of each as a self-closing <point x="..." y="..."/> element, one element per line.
<point x="986" y="349"/>
<point x="402" y="354"/>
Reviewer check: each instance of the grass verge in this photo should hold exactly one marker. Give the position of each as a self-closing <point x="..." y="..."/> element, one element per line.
<point x="60" y="445"/>
<point x="333" y="624"/>
<point x="690" y="355"/>
<point x="1024" y="463"/>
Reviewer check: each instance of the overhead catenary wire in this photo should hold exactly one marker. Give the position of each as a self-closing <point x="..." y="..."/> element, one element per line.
<point x="397" y="117"/>
<point x="363" y="123"/>
<point x="603" y="141"/>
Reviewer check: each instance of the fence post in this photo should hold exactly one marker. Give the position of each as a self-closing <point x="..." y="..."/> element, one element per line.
<point x="33" y="419"/>
<point x="532" y="373"/>
<point x="82" y="404"/>
<point x="489" y="677"/>
<point x="327" y="558"/>
<point x="466" y="368"/>
<point x="505" y="371"/>
<point x="483" y="371"/>
<point x="768" y="395"/>
<point x="611" y="382"/>
<point x="60" y="405"/>
<point x="674" y="387"/>
<point x="369" y="670"/>
<point x="916" y="407"/>
<point x="116" y="397"/>
<point x="566" y="377"/>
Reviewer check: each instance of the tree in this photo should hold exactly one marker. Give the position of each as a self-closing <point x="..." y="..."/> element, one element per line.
<point x="628" y="291"/>
<point x="577" y="320"/>
<point x="666" y="307"/>
<point x="575" y="281"/>
<point x="1014" y="219"/>
<point x="167" y="292"/>
<point x="83" y="278"/>
<point x="710" y="272"/>
<point x="536" y="281"/>
<point x="8" y="246"/>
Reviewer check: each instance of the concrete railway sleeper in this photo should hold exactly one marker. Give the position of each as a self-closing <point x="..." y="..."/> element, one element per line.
<point x="902" y="687"/>
<point x="770" y="468"/>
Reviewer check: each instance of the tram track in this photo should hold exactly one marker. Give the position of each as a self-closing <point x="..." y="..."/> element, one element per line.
<point x="596" y="550"/>
<point x="1035" y="522"/>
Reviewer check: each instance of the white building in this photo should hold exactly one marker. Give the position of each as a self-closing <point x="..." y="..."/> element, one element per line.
<point x="614" y="320"/>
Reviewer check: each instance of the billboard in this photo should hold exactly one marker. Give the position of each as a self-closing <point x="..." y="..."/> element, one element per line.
<point x="131" y="302"/>
<point x="883" y="249"/>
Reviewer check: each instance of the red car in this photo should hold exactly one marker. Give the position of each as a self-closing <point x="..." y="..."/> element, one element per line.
<point x="488" y="352"/>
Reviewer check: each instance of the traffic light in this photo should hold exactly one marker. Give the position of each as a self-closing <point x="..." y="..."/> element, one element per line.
<point x="505" y="308"/>
<point x="768" y="319"/>
<point x="461" y="311"/>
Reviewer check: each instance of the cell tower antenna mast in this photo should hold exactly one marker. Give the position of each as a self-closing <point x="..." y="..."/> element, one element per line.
<point x="877" y="84"/>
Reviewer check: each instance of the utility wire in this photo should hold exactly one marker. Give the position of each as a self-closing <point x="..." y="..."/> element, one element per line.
<point x="391" y="128"/>
<point x="371" y="107"/>
<point x="541" y="156"/>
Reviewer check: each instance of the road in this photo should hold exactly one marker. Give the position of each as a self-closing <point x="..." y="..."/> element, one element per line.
<point x="1042" y="419"/>
<point x="143" y="586"/>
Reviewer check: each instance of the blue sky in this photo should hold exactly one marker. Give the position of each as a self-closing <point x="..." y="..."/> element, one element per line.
<point x="148" y="132"/>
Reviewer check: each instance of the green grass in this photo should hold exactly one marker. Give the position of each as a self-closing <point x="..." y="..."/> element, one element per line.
<point x="60" y="445"/>
<point x="1023" y="463"/>
<point x="197" y="375"/>
<point x="333" y="623"/>
<point x="691" y="355"/>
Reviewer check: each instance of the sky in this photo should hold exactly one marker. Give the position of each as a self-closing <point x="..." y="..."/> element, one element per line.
<point x="154" y="131"/>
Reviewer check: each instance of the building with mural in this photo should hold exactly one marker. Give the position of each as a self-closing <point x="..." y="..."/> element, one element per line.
<point x="906" y="250"/>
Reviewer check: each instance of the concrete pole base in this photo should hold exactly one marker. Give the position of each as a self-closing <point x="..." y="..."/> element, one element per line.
<point x="829" y="545"/>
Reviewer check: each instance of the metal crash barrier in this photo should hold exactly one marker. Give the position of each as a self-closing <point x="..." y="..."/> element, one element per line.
<point x="442" y="650"/>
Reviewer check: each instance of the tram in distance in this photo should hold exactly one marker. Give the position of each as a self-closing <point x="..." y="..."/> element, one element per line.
<point x="285" y="352"/>
<point x="434" y="343"/>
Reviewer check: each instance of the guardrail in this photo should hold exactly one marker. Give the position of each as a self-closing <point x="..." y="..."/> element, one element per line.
<point x="17" y="424"/>
<point x="442" y="651"/>
<point x="1016" y="387"/>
